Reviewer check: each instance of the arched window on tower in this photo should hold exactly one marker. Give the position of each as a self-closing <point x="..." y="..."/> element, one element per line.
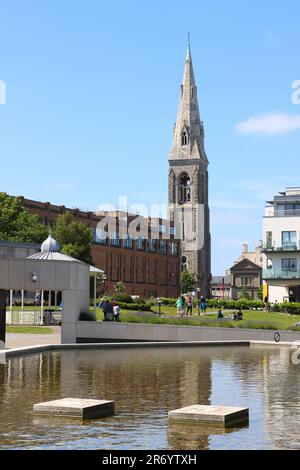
<point x="184" y="189"/>
<point x="184" y="264"/>
<point x="184" y="138"/>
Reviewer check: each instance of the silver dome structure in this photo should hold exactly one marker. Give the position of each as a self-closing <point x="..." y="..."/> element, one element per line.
<point x="50" y="245"/>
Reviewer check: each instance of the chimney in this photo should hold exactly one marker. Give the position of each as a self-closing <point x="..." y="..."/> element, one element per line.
<point x="245" y="248"/>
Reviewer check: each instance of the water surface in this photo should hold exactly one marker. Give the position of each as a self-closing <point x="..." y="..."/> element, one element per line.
<point x="145" y="384"/>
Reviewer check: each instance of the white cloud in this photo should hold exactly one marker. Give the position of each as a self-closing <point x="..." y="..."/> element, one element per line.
<point x="270" y="123"/>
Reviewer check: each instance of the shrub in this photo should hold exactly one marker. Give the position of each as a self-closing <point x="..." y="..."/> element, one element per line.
<point x="244" y="304"/>
<point x="120" y="288"/>
<point x="122" y="297"/>
<point x="86" y="316"/>
<point x="289" y="307"/>
<point x="141" y="307"/>
<point x="170" y="301"/>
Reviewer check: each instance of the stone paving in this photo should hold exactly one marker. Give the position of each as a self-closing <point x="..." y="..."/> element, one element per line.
<point x="19" y="340"/>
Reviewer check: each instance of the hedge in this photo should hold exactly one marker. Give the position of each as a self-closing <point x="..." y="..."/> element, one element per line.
<point x="122" y="297"/>
<point x="137" y="307"/>
<point x="217" y="303"/>
<point x="244" y="304"/>
<point x="288" y="307"/>
<point x="86" y="316"/>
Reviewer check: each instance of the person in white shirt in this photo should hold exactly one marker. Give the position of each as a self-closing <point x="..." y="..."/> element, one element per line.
<point x="116" y="310"/>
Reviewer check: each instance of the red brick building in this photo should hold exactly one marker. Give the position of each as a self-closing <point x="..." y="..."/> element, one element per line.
<point x="148" y="265"/>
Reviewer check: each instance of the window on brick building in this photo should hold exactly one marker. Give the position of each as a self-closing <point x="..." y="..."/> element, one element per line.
<point x="127" y="242"/>
<point x="140" y="243"/>
<point x="100" y="236"/>
<point x="152" y="245"/>
<point x="115" y="239"/>
<point x="163" y="246"/>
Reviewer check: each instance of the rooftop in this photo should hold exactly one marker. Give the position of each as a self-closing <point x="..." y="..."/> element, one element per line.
<point x="289" y="195"/>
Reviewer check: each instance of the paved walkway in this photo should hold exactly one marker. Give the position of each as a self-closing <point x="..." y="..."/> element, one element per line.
<point x="19" y="340"/>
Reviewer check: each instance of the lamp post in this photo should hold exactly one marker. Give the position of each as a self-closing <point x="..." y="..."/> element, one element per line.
<point x="104" y="279"/>
<point x="198" y="300"/>
<point x="159" y="306"/>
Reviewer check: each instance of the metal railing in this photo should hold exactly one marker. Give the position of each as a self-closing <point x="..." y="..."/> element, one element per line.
<point x="274" y="246"/>
<point x="23" y="317"/>
<point x="286" y="212"/>
<point x="281" y="274"/>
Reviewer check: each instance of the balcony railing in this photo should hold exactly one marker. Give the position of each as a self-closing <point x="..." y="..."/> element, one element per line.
<point x="281" y="274"/>
<point x="286" y="212"/>
<point x="274" y="246"/>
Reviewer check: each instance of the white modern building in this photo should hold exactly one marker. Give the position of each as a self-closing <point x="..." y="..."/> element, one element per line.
<point x="281" y="246"/>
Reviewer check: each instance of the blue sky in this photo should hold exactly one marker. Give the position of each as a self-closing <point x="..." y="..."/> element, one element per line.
<point x="91" y="98"/>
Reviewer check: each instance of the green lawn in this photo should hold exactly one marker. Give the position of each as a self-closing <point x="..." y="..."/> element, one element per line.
<point x="252" y="319"/>
<point x="33" y="330"/>
<point x="275" y="321"/>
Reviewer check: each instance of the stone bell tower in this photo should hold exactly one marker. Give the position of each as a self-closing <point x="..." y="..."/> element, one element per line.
<point x="188" y="183"/>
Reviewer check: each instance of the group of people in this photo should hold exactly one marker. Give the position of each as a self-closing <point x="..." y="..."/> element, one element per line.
<point x="111" y="310"/>
<point x="236" y="316"/>
<point x="185" y="306"/>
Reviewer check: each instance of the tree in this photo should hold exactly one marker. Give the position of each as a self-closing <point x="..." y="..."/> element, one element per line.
<point x="187" y="282"/>
<point x="74" y="237"/>
<point x="120" y="288"/>
<point x="260" y="293"/>
<point x="17" y="224"/>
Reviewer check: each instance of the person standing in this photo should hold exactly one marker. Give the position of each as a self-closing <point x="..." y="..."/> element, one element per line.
<point x="103" y="306"/>
<point x="116" y="311"/>
<point x="109" y="311"/>
<point x="179" y="305"/>
<point x="189" y="306"/>
<point x="183" y="303"/>
<point x="202" y="305"/>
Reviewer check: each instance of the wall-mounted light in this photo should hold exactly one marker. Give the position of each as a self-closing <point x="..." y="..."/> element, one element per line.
<point x="34" y="277"/>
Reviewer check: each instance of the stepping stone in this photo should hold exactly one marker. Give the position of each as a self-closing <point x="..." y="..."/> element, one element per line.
<point x="223" y="415"/>
<point x="76" y="408"/>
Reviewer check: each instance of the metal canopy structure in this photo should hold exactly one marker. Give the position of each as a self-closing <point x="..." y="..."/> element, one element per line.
<point x="50" y="271"/>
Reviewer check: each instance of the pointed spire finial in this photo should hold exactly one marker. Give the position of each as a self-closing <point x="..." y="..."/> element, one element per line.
<point x="188" y="52"/>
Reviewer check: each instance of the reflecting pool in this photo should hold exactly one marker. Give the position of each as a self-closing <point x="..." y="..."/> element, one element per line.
<point x="145" y="384"/>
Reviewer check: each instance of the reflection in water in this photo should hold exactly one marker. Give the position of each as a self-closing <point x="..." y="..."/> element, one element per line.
<point x="193" y="436"/>
<point x="146" y="384"/>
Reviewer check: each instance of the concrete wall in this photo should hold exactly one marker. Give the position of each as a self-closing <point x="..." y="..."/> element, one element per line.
<point x="102" y="331"/>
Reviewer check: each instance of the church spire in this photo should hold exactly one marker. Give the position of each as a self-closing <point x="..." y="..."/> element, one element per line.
<point x="188" y="138"/>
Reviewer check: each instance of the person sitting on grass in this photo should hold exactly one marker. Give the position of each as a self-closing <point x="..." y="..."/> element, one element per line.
<point x="220" y="315"/>
<point x="238" y="315"/>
